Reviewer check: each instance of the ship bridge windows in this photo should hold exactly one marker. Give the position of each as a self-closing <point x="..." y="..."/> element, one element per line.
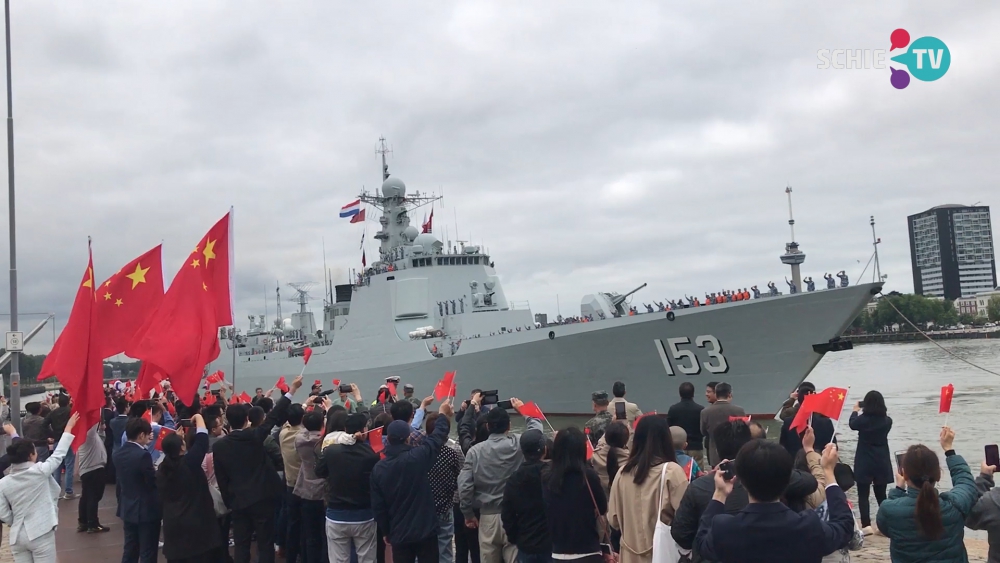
<point x="421" y="262"/>
<point x="460" y="260"/>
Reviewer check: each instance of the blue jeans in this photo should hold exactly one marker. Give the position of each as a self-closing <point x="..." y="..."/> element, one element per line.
<point x="523" y="557"/>
<point x="69" y="462"/>
<point x="446" y="532"/>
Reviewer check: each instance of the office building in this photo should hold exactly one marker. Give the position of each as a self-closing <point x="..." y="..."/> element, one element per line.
<point x="951" y="250"/>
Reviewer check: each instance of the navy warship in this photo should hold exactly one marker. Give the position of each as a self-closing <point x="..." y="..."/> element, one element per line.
<point x="422" y="309"/>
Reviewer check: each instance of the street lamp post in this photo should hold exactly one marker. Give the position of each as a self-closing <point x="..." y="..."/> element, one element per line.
<point x="15" y="375"/>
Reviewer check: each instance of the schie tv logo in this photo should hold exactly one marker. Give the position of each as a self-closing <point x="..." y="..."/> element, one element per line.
<point x="927" y="59"/>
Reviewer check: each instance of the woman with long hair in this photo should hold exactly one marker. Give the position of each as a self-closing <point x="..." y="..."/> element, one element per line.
<point x="190" y="530"/>
<point x="922" y="524"/>
<point x="574" y="500"/>
<point x="872" y="463"/>
<point x="611" y="453"/>
<point x="647" y="490"/>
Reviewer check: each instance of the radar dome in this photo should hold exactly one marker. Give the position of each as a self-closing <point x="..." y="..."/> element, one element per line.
<point x="410" y="233"/>
<point x="393" y="187"/>
<point x="428" y="241"/>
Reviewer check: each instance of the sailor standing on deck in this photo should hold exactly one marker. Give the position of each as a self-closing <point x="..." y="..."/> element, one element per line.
<point x="595" y="426"/>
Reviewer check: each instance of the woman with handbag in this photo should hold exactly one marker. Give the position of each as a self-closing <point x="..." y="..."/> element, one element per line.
<point x="574" y="501"/>
<point x="646" y="494"/>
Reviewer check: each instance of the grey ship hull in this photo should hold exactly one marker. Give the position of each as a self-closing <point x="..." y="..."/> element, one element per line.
<point x="767" y="349"/>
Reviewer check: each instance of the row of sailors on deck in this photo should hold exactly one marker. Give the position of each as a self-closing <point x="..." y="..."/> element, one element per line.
<point x="740" y="295"/>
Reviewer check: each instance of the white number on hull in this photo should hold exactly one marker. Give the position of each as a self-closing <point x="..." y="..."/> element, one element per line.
<point x="717" y="363"/>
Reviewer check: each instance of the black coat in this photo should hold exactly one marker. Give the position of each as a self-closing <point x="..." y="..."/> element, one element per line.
<point x="872" y="462"/>
<point x="348" y="471"/>
<point x="792" y="440"/>
<point x="137" y="498"/>
<point x="189" y="525"/>
<point x="244" y="470"/>
<point x="687" y="415"/>
<point x="401" y="493"/>
<point x="523" y="512"/>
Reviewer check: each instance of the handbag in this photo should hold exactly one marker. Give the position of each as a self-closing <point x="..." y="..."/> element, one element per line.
<point x="665" y="549"/>
<point x="608" y="557"/>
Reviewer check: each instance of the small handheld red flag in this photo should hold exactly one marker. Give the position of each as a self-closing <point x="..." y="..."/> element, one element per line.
<point x="743" y="418"/>
<point x="392" y="388"/>
<point x="317" y="382"/>
<point x="336" y="383"/>
<point x="280" y="385"/>
<point x="209" y="399"/>
<point x="443" y="387"/>
<point x="947" y="392"/>
<point x="532" y="410"/>
<point x="454" y="390"/>
<point x="215" y="377"/>
<point x="306" y="354"/>
<point x="375" y="439"/>
<point x="245" y="398"/>
<point x="828" y="402"/>
<point x="148" y="416"/>
<point x="590" y="446"/>
<point x="164" y="432"/>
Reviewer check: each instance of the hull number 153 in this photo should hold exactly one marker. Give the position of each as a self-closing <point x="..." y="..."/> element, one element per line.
<point x="686" y="361"/>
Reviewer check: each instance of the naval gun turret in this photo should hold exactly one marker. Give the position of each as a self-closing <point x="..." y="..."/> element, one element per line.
<point x="602" y="305"/>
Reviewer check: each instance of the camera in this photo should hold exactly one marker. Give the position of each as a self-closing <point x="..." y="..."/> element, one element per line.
<point x="345" y="388"/>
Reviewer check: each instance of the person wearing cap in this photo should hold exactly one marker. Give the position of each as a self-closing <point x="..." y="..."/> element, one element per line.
<point x="523" y="508"/>
<point x="488" y="466"/>
<point x="408" y="396"/>
<point x="316" y="389"/>
<point x="632" y="411"/>
<point x="401" y="495"/>
<point x="602" y="417"/>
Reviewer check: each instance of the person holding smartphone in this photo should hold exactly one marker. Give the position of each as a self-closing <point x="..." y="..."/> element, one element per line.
<point x="985" y="514"/>
<point x="872" y="462"/>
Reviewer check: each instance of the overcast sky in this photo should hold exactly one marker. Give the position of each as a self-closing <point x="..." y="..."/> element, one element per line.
<point x="592" y="146"/>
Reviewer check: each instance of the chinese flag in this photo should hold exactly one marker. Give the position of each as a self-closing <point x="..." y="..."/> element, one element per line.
<point x="375" y="439"/>
<point x="306" y="354"/>
<point x="336" y="382"/>
<point x="828" y="402"/>
<point x="215" y="377"/>
<point x="743" y="418"/>
<point x="208" y="399"/>
<point x="532" y="410"/>
<point x="443" y="388"/>
<point x="125" y="300"/>
<point x="429" y="224"/>
<point x="947" y="392"/>
<point x="74" y="361"/>
<point x="149" y="377"/>
<point x="590" y="446"/>
<point x="181" y="337"/>
<point x="280" y="385"/>
<point x="391" y="387"/>
<point x="245" y="398"/>
<point x="164" y="432"/>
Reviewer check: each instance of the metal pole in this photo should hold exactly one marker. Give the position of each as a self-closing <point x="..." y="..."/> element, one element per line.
<point x="15" y="375"/>
<point x="233" y="341"/>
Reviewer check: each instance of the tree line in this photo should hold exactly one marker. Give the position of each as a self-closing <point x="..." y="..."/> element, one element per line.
<point x="925" y="312"/>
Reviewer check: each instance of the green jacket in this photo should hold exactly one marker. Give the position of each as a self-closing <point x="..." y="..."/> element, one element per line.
<point x="353" y="406"/>
<point x="896" y="519"/>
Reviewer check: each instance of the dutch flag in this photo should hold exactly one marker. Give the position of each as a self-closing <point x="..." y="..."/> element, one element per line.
<point x="351" y="209"/>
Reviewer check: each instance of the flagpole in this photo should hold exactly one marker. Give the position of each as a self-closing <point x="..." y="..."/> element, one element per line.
<point x="15" y="373"/>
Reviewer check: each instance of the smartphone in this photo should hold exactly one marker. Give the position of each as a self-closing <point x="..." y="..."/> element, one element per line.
<point x="620" y="411"/>
<point x="344" y="388"/>
<point x="993" y="455"/>
<point x="728" y="469"/>
<point x="186" y="423"/>
<point x="899" y="462"/>
<point x="216" y="392"/>
<point x="504" y="405"/>
<point x="491" y="397"/>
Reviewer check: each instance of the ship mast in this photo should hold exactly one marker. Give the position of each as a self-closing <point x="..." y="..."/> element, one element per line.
<point x="793" y="256"/>
<point x="383" y="150"/>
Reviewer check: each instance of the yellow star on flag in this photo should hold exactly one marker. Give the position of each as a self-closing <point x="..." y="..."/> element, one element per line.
<point x="195" y="263"/>
<point x="209" y="251"/>
<point x="840" y="396"/>
<point x="203" y="286"/>
<point x="107" y="283"/>
<point x="138" y="276"/>
<point x="118" y="302"/>
<point x="107" y="296"/>
<point x="90" y="280"/>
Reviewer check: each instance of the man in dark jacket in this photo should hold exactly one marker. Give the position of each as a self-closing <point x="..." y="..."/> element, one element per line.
<point x="347" y="469"/>
<point x="138" y="503"/>
<point x="54" y="424"/>
<point x="248" y="480"/>
<point x="523" y="508"/>
<point x="33" y="428"/>
<point x="401" y="493"/>
<point x="687" y="415"/>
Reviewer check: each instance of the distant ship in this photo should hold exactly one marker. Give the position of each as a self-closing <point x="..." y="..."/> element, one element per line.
<point x="423" y="309"/>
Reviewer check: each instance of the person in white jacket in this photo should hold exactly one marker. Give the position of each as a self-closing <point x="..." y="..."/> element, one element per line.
<point x="28" y="497"/>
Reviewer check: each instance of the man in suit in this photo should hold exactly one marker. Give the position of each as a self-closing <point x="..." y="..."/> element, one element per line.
<point x="767" y="529"/>
<point x="717" y="413"/>
<point x="687" y="415"/>
<point x="138" y="502"/>
<point x="248" y="479"/>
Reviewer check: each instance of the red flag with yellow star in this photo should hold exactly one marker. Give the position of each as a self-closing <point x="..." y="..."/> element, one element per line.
<point x="74" y="362"/>
<point x="181" y="337"/>
<point x="125" y="300"/>
<point x="828" y="402"/>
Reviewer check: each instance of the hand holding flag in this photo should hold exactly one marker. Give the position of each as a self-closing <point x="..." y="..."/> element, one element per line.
<point x="947" y="393"/>
<point x="375" y="439"/>
<point x="828" y="402"/>
<point x="281" y="385"/>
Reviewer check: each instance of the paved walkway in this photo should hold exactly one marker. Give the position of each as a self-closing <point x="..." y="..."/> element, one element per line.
<point x="101" y="548"/>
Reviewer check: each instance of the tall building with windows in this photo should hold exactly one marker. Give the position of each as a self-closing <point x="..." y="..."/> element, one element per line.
<point x="951" y="249"/>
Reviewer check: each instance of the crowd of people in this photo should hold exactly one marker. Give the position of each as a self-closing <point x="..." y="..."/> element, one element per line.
<point x="333" y="478"/>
